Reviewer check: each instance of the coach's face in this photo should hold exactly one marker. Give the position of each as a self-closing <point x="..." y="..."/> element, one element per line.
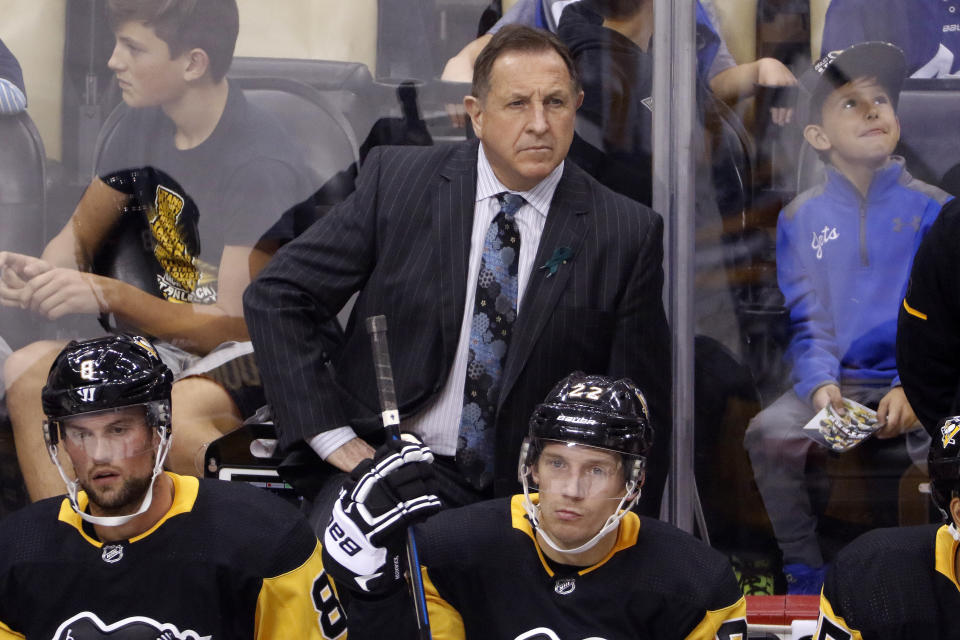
<point x="525" y="121"/>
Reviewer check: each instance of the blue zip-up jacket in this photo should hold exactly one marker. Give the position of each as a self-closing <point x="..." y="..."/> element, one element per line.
<point x="842" y="264"/>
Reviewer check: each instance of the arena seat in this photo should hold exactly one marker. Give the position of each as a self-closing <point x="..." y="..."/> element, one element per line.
<point x="23" y="210"/>
<point x="347" y="86"/>
<point x="327" y="138"/>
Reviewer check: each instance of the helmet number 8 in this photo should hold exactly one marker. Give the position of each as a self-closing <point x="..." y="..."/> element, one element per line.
<point x="86" y="370"/>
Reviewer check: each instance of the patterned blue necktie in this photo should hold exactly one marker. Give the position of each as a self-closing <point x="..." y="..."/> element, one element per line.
<point x="494" y="311"/>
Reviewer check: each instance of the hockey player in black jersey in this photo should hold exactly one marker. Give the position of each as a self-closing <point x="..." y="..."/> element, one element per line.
<point x="901" y="583"/>
<point x="133" y="552"/>
<point x="565" y="560"/>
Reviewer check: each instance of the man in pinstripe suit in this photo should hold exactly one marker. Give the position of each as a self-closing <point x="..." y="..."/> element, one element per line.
<point x="409" y="240"/>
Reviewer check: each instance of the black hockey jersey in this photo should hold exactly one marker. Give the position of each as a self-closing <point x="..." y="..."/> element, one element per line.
<point x="486" y="577"/>
<point x="892" y="584"/>
<point x="226" y="562"/>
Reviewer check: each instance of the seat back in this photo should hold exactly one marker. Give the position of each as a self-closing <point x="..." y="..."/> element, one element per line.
<point x="347" y="87"/>
<point x="23" y="210"/>
<point x="327" y="139"/>
<point x="929" y="128"/>
<point x="22" y="182"/>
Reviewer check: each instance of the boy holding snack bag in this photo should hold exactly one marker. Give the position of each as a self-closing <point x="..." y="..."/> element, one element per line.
<point x="844" y="250"/>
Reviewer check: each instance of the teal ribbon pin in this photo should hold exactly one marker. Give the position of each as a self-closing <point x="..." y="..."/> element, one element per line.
<point x="560" y="256"/>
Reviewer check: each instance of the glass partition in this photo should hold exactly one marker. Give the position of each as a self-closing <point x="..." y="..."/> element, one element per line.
<point x="157" y="165"/>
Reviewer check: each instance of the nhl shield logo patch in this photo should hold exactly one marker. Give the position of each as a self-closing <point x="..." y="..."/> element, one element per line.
<point x="565" y="586"/>
<point x="112" y="553"/>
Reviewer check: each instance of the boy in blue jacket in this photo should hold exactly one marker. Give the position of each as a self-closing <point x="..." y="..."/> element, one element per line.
<point x="844" y="250"/>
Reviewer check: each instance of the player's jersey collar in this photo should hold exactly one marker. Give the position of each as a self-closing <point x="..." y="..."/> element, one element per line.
<point x="185" y="490"/>
<point x="626" y="535"/>
<point x="946" y="551"/>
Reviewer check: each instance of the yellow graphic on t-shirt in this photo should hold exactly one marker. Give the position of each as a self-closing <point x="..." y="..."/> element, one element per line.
<point x="181" y="274"/>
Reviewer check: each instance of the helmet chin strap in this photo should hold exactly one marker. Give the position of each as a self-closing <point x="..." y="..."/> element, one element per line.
<point x="533" y="512"/>
<point x="73" y="486"/>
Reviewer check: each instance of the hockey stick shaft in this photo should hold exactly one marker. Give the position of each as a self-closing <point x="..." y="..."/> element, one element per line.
<point x="390" y="415"/>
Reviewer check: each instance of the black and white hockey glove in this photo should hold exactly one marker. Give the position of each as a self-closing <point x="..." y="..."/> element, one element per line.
<point x="363" y="542"/>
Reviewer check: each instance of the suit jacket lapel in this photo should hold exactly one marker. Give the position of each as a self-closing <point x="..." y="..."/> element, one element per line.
<point x="453" y="225"/>
<point x="565" y="227"/>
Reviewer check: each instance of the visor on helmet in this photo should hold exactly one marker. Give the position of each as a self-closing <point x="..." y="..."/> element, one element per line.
<point x="108" y="435"/>
<point x="578" y="470"/>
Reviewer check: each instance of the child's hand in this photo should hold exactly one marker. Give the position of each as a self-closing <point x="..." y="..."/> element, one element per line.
<point x="895" y="415"/>
<point x="829" y="394"/>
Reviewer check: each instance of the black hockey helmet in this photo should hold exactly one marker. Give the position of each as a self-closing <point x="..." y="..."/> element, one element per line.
<point x="943" y="462"/>
<point x="107" y="373"/>
<point x="597" y="411"/>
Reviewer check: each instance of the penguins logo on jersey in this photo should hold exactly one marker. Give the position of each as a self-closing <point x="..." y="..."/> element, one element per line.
<point x="949" y="431"/>
<point x="87" y="626"/>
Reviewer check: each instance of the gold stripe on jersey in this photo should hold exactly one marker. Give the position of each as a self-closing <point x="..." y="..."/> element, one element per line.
<point x="627" y="532"/>
<point x="302" y="603"/>
<point x="713" y="620"/>
<point x="184" y="495"/>
<point x="6" y="633"/>
<point x="912" y="311"/>
<point x="946" y="551"/>
<point x="445" y="621"/>
<point x="826" y="612"/>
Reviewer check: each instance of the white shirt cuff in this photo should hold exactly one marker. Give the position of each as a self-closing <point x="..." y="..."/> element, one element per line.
<point x="329" y="441"/>
<point x="12" y="99"/>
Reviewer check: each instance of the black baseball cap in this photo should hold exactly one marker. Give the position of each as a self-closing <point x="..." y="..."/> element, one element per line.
<point x="880" y="60"/>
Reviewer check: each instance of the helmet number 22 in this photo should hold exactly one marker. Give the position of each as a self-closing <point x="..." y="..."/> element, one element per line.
<point x="581" y="390"/>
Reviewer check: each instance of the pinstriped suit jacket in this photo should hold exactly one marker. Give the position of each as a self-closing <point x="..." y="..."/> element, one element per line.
<point x="402" y="239"/>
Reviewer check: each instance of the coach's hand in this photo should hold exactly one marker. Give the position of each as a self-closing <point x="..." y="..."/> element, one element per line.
<point x="363" y="543"/>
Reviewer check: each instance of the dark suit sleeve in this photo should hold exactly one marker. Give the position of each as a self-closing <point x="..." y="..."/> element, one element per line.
<point x="641" y="350"/>
<point x="290" y="305"/>
<point x="928" y="330"/>
<point x="10" y="68"/>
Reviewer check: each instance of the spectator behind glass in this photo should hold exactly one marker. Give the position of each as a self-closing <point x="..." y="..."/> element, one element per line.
<point x="728" y="80"/>
<point x="928" y="31"/>
<point x="13" y="97"/>
<point x="844" y="250"/>
<point x="198" y="172"/>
